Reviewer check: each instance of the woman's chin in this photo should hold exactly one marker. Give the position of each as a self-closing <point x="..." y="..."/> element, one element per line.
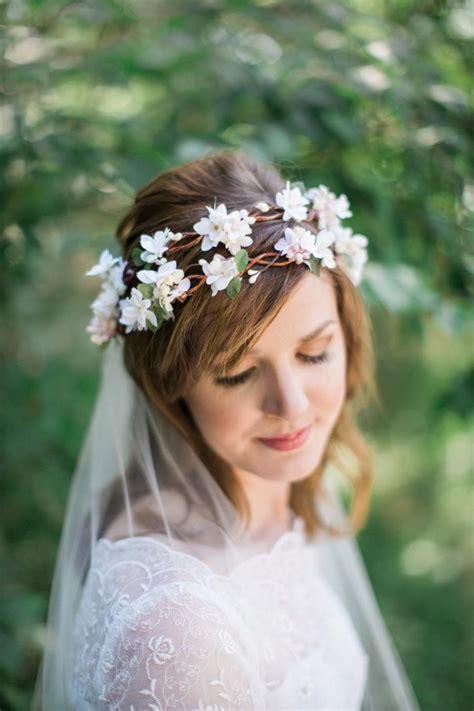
<point x="294" y="468"/>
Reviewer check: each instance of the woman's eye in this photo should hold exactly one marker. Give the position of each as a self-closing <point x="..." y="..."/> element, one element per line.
<point x="320" y="358"/>
<point x="235" y="379"/>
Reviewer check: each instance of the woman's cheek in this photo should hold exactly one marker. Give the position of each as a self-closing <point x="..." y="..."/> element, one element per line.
<point x="222" y="425"/>
<point x="334" y="385"/>
<point x="328" y="387"/>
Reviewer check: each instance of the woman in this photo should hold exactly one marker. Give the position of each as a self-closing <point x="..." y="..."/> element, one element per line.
<point x="205" y="562"/>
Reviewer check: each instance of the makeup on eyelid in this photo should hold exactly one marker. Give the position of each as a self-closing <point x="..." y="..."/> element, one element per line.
<point x="238" y="378"/>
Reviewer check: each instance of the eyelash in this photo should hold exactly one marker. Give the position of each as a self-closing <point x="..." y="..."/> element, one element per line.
<point x="242" y="377"/>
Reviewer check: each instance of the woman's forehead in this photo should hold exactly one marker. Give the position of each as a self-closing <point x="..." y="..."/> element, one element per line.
<point x="310" y="308"/>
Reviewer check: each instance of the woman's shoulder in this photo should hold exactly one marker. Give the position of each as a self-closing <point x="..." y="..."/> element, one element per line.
<point x="145" y="557"/>
<point x="148" y="620"/>
<point x="131" y="582"/>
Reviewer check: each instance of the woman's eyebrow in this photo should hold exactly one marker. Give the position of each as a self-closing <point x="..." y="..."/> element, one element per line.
<point x="309" y="337"/>
<point x="317" y="331"/>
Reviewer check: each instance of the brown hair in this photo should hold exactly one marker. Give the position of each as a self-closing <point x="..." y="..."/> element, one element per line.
<point x="209" y="333"/>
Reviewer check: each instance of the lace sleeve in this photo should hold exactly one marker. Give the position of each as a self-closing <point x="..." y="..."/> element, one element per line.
<point x="156" y="636"/>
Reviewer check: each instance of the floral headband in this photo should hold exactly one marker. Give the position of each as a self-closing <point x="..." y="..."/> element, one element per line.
<point x="159" y="282"/>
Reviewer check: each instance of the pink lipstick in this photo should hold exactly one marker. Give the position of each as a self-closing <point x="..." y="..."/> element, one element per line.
<point x="292" y="441"/>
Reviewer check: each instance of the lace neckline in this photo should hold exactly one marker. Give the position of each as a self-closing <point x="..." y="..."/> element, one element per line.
<point x="267" y="546"/>
<point x="292" y="537"/>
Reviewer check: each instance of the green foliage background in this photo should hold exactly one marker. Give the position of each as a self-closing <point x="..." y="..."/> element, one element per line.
<point x="373" y="99"/>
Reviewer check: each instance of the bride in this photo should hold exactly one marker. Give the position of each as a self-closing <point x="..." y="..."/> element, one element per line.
<point x="206" y="562"/>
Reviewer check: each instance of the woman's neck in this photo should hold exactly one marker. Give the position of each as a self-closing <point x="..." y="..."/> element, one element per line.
<point x="270" y="514"/>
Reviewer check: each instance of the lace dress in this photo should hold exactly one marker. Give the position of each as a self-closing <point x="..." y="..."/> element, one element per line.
<point x="158" y="630"/>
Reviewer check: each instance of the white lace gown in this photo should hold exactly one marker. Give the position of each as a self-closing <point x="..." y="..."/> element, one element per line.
<point x="158" y="630"/>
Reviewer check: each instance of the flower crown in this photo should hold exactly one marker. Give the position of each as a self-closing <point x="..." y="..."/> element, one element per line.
<point x="157" y="282"/>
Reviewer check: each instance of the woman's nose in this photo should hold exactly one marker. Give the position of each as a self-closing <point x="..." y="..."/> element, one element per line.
<point x="285" y="397"/>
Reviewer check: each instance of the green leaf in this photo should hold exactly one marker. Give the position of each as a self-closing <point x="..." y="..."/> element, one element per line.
<point x="137" y="260"/>
<point x="233" y="287"/>
<point x="314" y="265"/>
<point x="146" y="290"/>
<point x="160" y="313"/>
<point x="241" y="259"/>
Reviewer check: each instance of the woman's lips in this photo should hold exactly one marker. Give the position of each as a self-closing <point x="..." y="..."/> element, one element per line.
<point x="290" y="442"/>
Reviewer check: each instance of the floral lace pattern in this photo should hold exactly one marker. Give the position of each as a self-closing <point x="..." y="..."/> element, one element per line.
<point x="158" y="630"/>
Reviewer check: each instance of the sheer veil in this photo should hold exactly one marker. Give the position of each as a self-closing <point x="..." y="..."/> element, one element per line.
<point x="137" y="476"/>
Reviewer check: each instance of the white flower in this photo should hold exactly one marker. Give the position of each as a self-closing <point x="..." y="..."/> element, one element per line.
<point x="168" y="294"/>
<point x="219" y="272"/>
<point x="322" y="251"/>
<point x="298" y="244"/>
<point x="349" y="243"/>
<point x="293" y="200"/>
<point x="156" y="246"/>
<point x="237" y="230"/>
<point x="232" y="229"/>
<point x="352" y="252"/>
<point x="103" y="266"/>
<point x="353" y="264"/>
<point x="180" y="289"/>
<point x="115" y="277"/>
<point x="166" y="275"/>
<point x="106" y="302"/>
<point x="105" y="307"/>
<point x="135" y="312"/>
<point x="262" y="206"/>
<point x="330" y="208"/>
<point x="168" y="281"/>
<point x="110" y="269"/>
<point x="212" y="227"/>
<point x="101" y="329"/>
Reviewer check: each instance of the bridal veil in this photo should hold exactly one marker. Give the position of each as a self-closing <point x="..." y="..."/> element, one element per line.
<point x="137" y="476"/>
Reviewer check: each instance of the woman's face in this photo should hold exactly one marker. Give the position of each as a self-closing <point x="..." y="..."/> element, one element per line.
<point x="292" y="381"/>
